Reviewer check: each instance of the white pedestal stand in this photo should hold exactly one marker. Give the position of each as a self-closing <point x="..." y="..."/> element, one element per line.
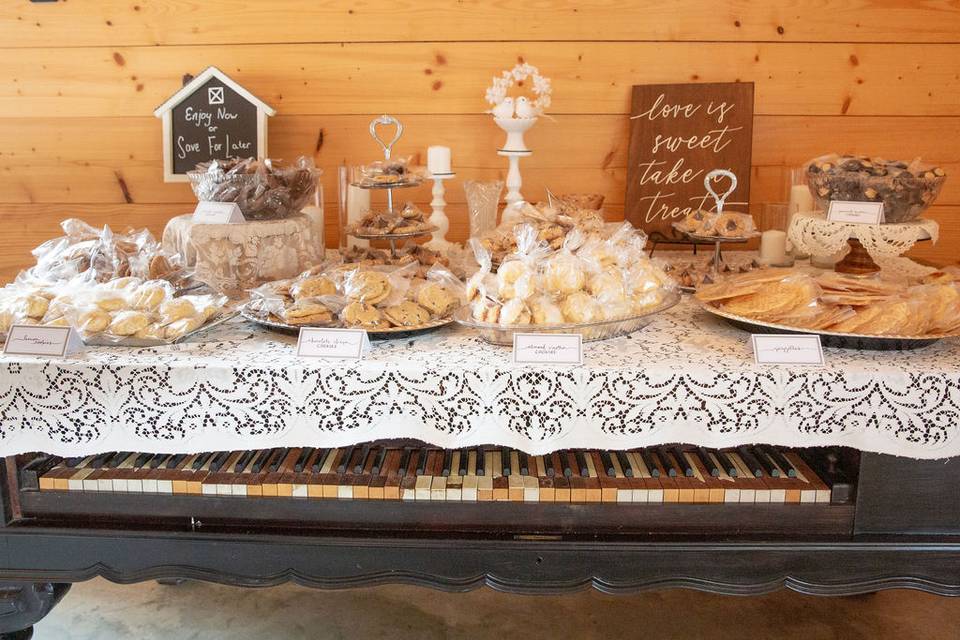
<point x="514" y="149"/>
<point x="438" y="216"/>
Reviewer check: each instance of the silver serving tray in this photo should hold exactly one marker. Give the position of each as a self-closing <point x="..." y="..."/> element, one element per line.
<point x="102" y="340"/>
<point x="248" y="312"/>
<point x="591" y="331"/>
<point x="859" y="341"/>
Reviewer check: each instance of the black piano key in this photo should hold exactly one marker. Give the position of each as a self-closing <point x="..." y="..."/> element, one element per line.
<point x="118" y="459"/>
<point x="764" y="461"/>
<point x="219" y="460"/>
<point x="141" y="460"/>
<point x="752" y="464"/>
<point x="505" y="468"/>
<point x="73" y="462"/>
<point x="302" y="459"/>
<point x="583" y="470"/>
<point x="422" y="461"/>
<point x="261" y="460"/>
<point x="524" y="463"/>
<point x="649" y="460"/>
<point x="685" y="465"/>
<point x="548" y="465"/>
<point x="707" y="462"/>
<point x="201" y="460"/>
<point x="727" y="465"/>
<point x="345" y="460"/>
<point x="565" y="460"/>
<point x="244" y="461"/>
<point x="447" y="460"/>
<point x="175" y="460"/>
<point x="278" y="459"/>
<point x="404" y="461"/>
<point x="481" y="462"/>
<point x="464" y="462"/>
<point x="101" y="459"/>
<point x="608" y="468"/>
<point x="624" y="463"/>
<point x="378" y="462"/>
<point x="362" y="460"/>
<point x="781" y="461"/>
<point x="668" y="463"/>
<point x="158" y="460"/>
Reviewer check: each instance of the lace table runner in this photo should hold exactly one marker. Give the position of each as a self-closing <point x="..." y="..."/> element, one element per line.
<point x="687" y="377"/>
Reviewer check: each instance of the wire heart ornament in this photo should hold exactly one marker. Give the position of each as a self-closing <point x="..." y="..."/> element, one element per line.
<point x="386" y="121"/>
<point x="714" y="176"/>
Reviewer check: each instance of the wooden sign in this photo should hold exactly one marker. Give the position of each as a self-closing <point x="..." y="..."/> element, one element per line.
<point x="679" y="133"/>
<point x="211" y="117"/>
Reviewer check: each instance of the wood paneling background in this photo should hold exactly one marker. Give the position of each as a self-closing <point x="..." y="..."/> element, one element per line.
<point x="79" y="81"/>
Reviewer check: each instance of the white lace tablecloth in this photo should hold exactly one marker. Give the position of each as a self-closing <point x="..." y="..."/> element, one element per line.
<point x="687" y="377"/>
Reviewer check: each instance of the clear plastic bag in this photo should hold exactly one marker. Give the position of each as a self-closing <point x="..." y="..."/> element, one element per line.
<point x="263" y="189"/>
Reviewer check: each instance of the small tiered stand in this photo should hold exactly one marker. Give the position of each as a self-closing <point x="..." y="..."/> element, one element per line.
<point x="407" y="183"/>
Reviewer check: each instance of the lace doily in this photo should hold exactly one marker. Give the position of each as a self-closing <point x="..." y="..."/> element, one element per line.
<point x="817" y="236"/>
<point x="688" y="377"/>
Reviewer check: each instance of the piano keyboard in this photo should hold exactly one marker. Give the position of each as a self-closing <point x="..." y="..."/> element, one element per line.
<point x="668" y="474"/>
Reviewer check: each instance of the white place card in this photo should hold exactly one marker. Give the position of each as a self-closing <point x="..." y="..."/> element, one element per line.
<point x="547" y="348"/>
<point x="787" y="348"/>
<point x="320" y="342"/>
<point x="217" y="213"/>
<point x="31" y="340"/>
<point x="855" y="212"/>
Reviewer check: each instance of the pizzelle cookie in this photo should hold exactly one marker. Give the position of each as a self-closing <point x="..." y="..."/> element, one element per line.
<point x="407" y="314"/>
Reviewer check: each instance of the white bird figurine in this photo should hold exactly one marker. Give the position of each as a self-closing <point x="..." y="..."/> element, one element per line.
<point x="525" y="109"/>
<point x="504" y="109"/>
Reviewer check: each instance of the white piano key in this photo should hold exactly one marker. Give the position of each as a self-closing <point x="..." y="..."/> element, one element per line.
<point x="165" y="486"/>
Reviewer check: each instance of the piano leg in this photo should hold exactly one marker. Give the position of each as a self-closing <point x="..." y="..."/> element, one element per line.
<point x="23" y="604"/>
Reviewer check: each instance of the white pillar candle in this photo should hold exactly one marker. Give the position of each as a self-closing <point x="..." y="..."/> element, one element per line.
<point x="800" y="199"/>
<point x="438" y="159"/>
<point x="773" y="247"/>
<point x="358" y="204"/>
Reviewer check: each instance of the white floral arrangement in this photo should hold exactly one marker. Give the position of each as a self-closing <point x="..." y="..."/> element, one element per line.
<point x="497" y="92"/>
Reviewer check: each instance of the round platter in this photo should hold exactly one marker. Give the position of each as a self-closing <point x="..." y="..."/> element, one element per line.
<point x="406" y="184"/>
<point x="831" y="338"/>
<point x="392" y="236"/>
<point x="720" y="239"/>
<point x="591" y="331"/>
<point x="251" y="313"/>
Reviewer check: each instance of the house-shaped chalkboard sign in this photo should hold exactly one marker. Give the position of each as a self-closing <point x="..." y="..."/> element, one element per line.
<point x="211" y="117"/>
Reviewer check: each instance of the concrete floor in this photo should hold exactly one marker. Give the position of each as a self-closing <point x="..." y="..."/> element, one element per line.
<point x="102" y="610"/>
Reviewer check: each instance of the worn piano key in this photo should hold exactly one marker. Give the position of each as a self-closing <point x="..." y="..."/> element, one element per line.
<point x="468" y="488"/>
<point x="668" y="483"/>
<point x="820" y="490"/>
<point x="405" y="456"/>
<point x="752" y="489"/>
<point x="605" y="466"/>
<point x="158" y="460"/>
<point x="358" y="480"/>
<point x="422" y="456"/>
<point x="548" y="468"/>
<point x="438" y="482"/>
<point x="125" y="478"/>
<point x="714" y="487"/>
<point x="464" y="461"/>
<point x="624" y="463"/>
<point x="503" y="454"/>
<point x="679" y="454"/>
<point x="142" y="460"/>
<point x="752" y="464"/>
<point x="408" y="482"/>
<point x="781" y="461"/>
<point x="378" y="461"/>
<point x="606" y="477"/>
<point x="344" y="460"/>
<point x="302" y="459"/>
<point x="648" y="488"/>
<point x="328" y="476"/>
<point x="447" y="462"/>
<point x="220" y="460"/>
<point x="288" y="473"/>
<point x="724" y="463"/>
<point x="592" y="480"/>
<point x="667" y="463"/>
<point x="514" y="479"/>
<point x="454" y="480"/>
<point x="525" y="463"/>
<point x="391" y="486"/>
<point x="378" y="474"/>
<point x="199" y="460"/>
<point x="582" y="465"/>
<point x="362" y="459"/>
<point x="651" y="461"/>
<point x="765" y="463"/>
<point x="707" y="462"/>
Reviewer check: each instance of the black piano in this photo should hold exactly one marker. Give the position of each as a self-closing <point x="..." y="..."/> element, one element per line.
<point x="745" y="520"/>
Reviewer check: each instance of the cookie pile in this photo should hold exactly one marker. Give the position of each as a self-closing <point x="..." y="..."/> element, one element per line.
<point x="123" y="308"/>
<point x="410" y="219"/>
<point x="388" y="173"/>
<point x="552" y="221"/>
<point x="263" y="189"/>
<point x="101" y="255"/>
<point x="423" y="256"/>
<point x="725" y="225"/>
<point x="906" y="189"/>
<point x="588" y="280"/>
<point x="839" y="303"/>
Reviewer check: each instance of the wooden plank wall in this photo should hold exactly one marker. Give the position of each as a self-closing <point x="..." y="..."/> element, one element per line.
<point x="79" y="81"/>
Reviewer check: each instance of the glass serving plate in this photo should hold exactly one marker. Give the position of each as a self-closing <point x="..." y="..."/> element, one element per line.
<point x="591" y="331"/>
<point x="263" y="318"/>
<point x="859" y="341"/>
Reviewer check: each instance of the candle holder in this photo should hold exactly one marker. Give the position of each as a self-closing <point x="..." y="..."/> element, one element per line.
<point x="438" y="216"/>
<point x="513" y="149"/>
